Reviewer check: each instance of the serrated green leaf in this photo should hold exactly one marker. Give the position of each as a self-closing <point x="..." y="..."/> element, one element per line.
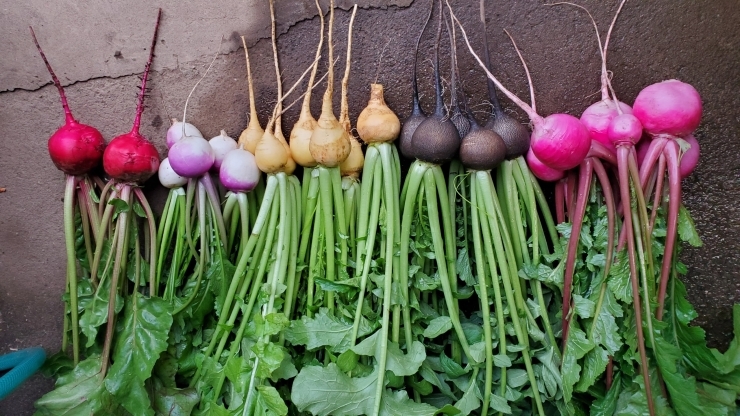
<point x="324" y="329"/>
<point x="170" y="401"/>
<point x="584" y="307"/>
<point x="619" y="278"/>
<point x="328" y="391"/>
<point x="397" y="362"/>
<point x="594" y="365"/>
<point x="686" y="229"/>
<point x="438" y="326"/>
<point x="146" y="323"/>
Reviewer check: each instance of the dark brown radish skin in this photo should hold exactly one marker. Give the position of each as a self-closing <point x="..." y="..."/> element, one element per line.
<point x="417" y="114"/>
<point x="75" y="148"/>
<point x="513" y="133"/>
<point x="436" y="140"/>
<point x="482" y="149"/>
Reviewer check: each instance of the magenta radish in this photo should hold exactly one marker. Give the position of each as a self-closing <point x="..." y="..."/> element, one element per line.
<point x="689" y="157"/>
<point x="75" y="149"/>
<point x="541" y="170"/>
<point x="670" y="107"/>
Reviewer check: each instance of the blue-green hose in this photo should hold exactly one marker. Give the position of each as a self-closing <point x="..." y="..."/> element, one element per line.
<point x="22" y="364"/>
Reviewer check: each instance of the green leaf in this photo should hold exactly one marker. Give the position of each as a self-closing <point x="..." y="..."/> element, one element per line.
<point x="220" y="272"/>
<point x="607" y="404"/>
<point x="139" y="210"/>
<point x="56" y="365"/>
<point x="686" y="229"/>
<point x="469" y="401"/>
<point x="619" y="278"/>
<point x="119" y="204"/>
<point x="516" y="378"/>
<point x="593" y="366"/>
<point x="79" y="393"/>
<point x="584" y="307"/>
<point x="170" y="401"/>
<point x="462" y="264"/>
<point x="347" y="361"/>
<point x="270" y="358"/>
<point x="146" y="323"/>
<point x="501" y="360"/>
<point x="450" y="367"/>
<point x="438" y="326"/>
<point x="337" y="287"/>
<point x="322" y="330"/>
<point x="500" y="404"/>
<point x="578" y="345"/>
<point x="682" y="388"/>
<point x="328" y="391"/>
<point x="268" y="399"/>
<point x="606" y="331"/>
<point x="397" y="362"/>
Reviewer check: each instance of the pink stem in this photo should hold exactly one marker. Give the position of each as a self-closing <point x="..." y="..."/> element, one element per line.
<point x="624" y="186"/>
<point x="658" y="198"/>
<point x="560" y="201"/>
<point x="69" y="119"/>
<point x="651" y="158"/>
<point x="674" y="202"/>
<point x="140" y="105"/>
<point x="570" y="193"/>
<point x="584" y="185"/>
<point x="602" y="152"/>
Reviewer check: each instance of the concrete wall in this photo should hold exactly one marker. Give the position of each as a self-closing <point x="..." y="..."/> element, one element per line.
<point x="99" y="48"/>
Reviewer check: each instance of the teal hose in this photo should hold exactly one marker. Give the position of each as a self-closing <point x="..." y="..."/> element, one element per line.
<point x="22" y="365"/>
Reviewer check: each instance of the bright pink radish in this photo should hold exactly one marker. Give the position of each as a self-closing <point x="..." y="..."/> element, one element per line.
<point x="191" y="156"/>
<point x="221" y="145"/>
<point x="178" y="129"/>
<point x="642" y="150"/>
<point x="670" y="107"/>
<point x="131" y="157"/>
<point x="690" y="157"/>
<point x="542" y="171"/>
<point x="168" y="177"/>
<point x="599" y="115"/>
<point x="560" y="141"/>
<point x="239" y="172"/>
<point x="75" y="148"/>
<point x="624" y="129"/>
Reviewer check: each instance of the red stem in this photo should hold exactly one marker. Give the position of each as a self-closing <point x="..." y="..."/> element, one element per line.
<point x="584" y="185"/>
<point x="624" y="186"/>
<point x="674" y="202"/>
<point x="140" y="105"/>
<point x="69" y="119"/>
<point x="606" y="188"/>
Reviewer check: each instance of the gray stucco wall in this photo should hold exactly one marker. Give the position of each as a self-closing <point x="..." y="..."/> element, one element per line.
<point x="98" y="49"/>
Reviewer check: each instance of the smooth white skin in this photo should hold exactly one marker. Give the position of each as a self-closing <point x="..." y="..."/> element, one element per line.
<point x="168" y="177"/>
<point x="221" y="145"/>
<point x="174" y="133"/>
<point x="191" y="157"/>
<point x="239" y="171"/>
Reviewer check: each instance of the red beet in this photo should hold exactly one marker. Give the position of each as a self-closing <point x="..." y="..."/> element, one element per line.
<point x="131" y="157"/>
<point x="75" y="148"/>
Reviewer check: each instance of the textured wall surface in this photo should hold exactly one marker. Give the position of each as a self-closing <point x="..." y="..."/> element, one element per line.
<point x="99" y="48"/>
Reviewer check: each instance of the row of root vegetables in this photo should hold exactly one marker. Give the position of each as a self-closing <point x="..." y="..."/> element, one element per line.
<point x="312" y="275"/>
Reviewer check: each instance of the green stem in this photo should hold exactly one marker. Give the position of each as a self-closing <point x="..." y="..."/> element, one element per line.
<point x="327" y="210"/>
<point x="69" y="240"/>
